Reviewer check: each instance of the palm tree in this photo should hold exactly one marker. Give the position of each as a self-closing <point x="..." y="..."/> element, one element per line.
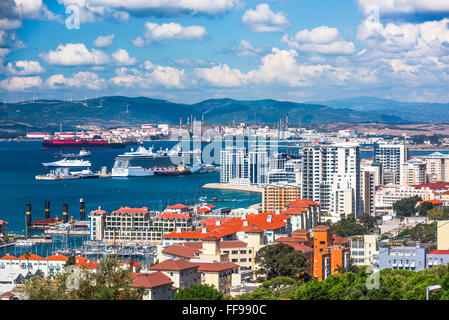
<point x="27" y="256"/>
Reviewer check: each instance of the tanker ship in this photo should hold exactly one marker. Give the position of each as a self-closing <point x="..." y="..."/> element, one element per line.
<point x="56" y="143"/>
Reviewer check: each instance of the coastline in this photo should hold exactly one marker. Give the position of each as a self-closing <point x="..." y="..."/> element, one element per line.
<point x="222" y="186"/>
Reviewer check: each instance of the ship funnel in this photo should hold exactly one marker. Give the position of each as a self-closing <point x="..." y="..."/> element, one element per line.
<point x="47" y="209"/>
<point x="28" y="214"/>
<point x="65" y="213"/>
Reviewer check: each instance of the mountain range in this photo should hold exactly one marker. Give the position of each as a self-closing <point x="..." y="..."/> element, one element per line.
<point x="114" y="111"/>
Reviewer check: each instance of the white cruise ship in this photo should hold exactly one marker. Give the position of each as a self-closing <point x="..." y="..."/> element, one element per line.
<point x="144" y="163"/>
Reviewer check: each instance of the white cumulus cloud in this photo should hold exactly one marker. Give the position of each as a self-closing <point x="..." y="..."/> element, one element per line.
<point x="24" y="68"/>
<point x="121" y="57"/>
<point x="262" y="19"/>
<point x="156" y="32"/>
<point x="104" y="41"/>
<point x="20" y="83"/>
<point x="74" y="54"/>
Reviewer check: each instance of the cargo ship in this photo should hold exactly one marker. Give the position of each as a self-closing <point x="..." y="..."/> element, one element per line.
<point x="55" y="143"/>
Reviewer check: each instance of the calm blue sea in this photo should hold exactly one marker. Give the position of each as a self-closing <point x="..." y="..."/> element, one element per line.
<point x="20" y="162"/>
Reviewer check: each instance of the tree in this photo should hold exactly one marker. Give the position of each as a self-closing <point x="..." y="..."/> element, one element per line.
<point x="369" y="222"/>
<point x="38" y="288"/>
<point x="347" y="226"/>
<point x="70" y="262"/>
<point x="424" y="232"/>
<point x="437" y="214"/>
<point x="198" y="292"/>
<point x="280" y="260"/>
<point x="27" y="256"/>
<point x="407" y="206"/>
<point x="275" y="288"/>
<point x="110" y="282"/>
<point x="424" y="207"/>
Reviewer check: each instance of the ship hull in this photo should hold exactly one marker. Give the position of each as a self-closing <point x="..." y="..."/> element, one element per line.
<point x="132" y="172"/>
<point x="83" y="145"/>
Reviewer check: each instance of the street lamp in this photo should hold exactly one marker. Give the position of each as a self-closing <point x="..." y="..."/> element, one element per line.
<point x="432" y="288"/>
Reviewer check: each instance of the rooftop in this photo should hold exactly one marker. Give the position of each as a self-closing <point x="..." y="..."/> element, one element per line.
<point x="173" y="265"/>
<point x="150" y="280"/>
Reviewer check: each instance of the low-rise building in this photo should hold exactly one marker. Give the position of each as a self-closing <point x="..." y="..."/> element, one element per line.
<point x="181" y="272"/>
<point x="3" y="229"/>
<point x="157" y="285"/>
<point x="363" y="249"/>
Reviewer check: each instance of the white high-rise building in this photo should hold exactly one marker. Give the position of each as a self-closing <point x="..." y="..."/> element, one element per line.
<point x="233" y="166"/>
<point x="239" y="167"/>
<point x="331" y="176"/>
<point x="392" y="157"/>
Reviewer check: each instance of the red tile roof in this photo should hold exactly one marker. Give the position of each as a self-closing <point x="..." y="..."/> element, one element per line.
<point x="303" y="203"/>
<point x="87" y="265"/>
<point x="8" y="257"/>
<point x="3" y="222"/>
<point x="7" y="294"/>
<point x="150" y="280"/>
<point x="300" y="247"/>
<point x="57" y="257"/>
<point x="339" y="239"/>
<point x="434" y="201"/>
<point x="182" y="251"/>
<point x="31" y="257"/>
<point x="124" y="210"/>
<point x="295" y="211"/>
<point x="215" y="266"/>
<point x="98" y="211"/>
<point x="173" y="265"/>
<point x="211" y="238"/>
<point x="177" y="206"/>
<point x="321" y="227"/>
<point x="290" y="239"/>
<point x="169" y="215"/>
<point x="203" y="210"/>
<point x="439" y="252"/>
<point x="436" y="185"/>
<point x="301" y="231"/>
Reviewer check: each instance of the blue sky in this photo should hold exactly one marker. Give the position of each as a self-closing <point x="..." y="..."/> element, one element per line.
<point x="191" y="50"/>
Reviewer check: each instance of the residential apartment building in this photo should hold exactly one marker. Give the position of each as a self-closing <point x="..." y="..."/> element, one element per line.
<point x="443" y="235"/>
<point x="137" y="225"/>
<point x="413" y="172"/>
<point x="391" y="156"/>
<point x="331" y="177"/>
<point x="181" y="272"/>
<point x="409" y="258"/>
<point x="157" y="285"/>
<point x="437" y="167"/>
<point x="278" y="196"/>
<point x="368" y="191"/>
<point x="363" y="249"/>
<point x="386" y="196"/>
<point x="305" y="214"/>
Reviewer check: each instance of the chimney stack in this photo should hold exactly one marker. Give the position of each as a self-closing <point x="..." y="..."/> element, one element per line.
<point x="47" y="209"/>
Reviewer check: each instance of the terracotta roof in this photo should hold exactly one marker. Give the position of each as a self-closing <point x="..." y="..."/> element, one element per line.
<point x="8" y="257"/>
<point x="31" y="257"/>
<point x="303" y="203"/>
<point x="87" y="265"/>
<point x="124" y="210"/>
<point x="185" y="235"/>
<point x="290" y="239"/>
<point x="215" y="266"/>
<point x="211" y="238"/>
<point x="254" y="230"/>
<point x="57" y="257"/>
<point x="98" y="211"/>
<point x="169" y="215"/>
<point x="177" y="206"/>
<point x="182" y="251"/>
<point x="3" y="222"/>
<point x="203" y="210"/>
<point x="173" y="265"/>
<point x="51" y="220"/>
<point x="7" y="294"/>
<point x="321" y="227"/>
<point x="439" y="252"/>
<point x="299" y="247"/>
<point x="339" y="239"/>
<point x="150" y="280"/>
<point x="79" y="258"/>
<point x="434" y="201"/>
<point x="436" y="185"/>
<point x="295" y="211"/>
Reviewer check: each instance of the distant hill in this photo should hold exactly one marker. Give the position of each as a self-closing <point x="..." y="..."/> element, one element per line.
<point x="410" y="111"/>
<point x="119" y="111"/>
